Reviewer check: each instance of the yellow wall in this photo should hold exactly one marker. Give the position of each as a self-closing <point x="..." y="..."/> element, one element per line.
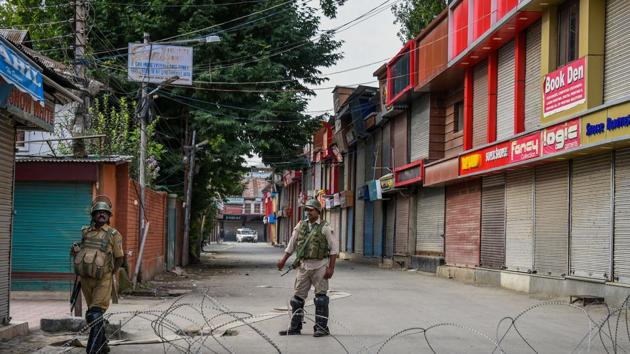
<point x="591" y="46"/>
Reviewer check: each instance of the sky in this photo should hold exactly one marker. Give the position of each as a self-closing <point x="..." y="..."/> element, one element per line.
<point x="369" y="41"/>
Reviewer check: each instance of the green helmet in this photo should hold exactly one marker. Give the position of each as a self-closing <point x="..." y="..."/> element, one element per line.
<point x="313" y="204"/>
<point x="98" y="206"/>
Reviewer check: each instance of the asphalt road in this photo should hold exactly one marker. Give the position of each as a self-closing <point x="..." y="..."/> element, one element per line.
<point x="369" y="307"/>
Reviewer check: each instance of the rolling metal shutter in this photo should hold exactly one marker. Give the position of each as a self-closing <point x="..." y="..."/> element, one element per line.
<point x="505" y="92"/>
<point x="519" y="230"/>
<point x="551" y="219"/>
<point x="419" y="148"/>
<point x="387" y="148"/>
<point x="401" y="246"/>
<point x="390" y="226"/>
<point x="430" y="221"/>
<point x="318" y="176"/>
<point x="378" y="228"/>
<point x="533" y="78"/>
<point x="335" y="218"/>
<point x="7" y="163"/>
<point x="36" y="223"/>
<point x="591" y="216"/>
<point x="480" y="104"/>
<point x="617" y="50"/>
<point x="463" y="213"/>
<point x="350" y="234"/>
<point x="343" y="237"/>
<point x="370" y="158"/>
<point x="400" y="140"/>
<point x="359" y="208"/>
<point x="493" y="222"/>
<point x="622" y="222"/>
<point x="368" y="229"/>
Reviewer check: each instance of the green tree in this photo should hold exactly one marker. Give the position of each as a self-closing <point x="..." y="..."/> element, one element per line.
<point x="250" y="92"/>
<point x="414" y="15"/>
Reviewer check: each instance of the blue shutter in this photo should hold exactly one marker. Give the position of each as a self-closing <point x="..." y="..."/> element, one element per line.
<point x="368" y="229"/>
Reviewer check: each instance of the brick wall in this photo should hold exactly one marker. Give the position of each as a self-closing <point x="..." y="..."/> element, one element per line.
<point x="463" y="218"/>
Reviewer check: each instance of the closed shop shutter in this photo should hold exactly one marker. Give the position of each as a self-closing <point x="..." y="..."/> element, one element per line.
<point x="350" y="232"/>
<point x="480" y="104"/>
<point x="622" y="222"/>
<point x="430" y="222"/>
<point x="36" y="223"/>
<point x="387" y="150"/>
<point x="533" y="78"/>
<point x="493" y="222"/>
<point x="419" y="148"/>
<point x="401" y="246"/>
<point x="463" y="214"/>
<point x="7" y="160"/>
<point x="378" y="228"/>
<point x="617" y="50"/>
<point x="359" y="209"/>
<point x="551" y="219"/>
<point x="335" y="218"/>
<point x="400" y="140"/>
<point x="591" y="216"/>
<point x="519" y="230"/>
<point x="370" y="157"/>
<point x="318" y="176"/>
<point x="390" y="226"/>
<point x="505" y="92"/>
<point x="344" y="230"/>
<point x="368" y="229"/>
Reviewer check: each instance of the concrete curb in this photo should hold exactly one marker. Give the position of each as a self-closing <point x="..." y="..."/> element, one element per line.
<point x="14" y="329"/>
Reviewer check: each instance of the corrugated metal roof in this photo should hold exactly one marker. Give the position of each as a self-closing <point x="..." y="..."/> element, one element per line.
<point x="14" y="35"/>
<point x="72" y="159"/>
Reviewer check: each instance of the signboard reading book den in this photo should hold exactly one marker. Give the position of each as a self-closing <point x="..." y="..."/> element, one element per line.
<point x="155" y="63"/>
<point x="565" y="88"/>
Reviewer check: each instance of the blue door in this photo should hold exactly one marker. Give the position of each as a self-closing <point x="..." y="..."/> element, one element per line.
<point x="379" y="234"/>
<point x="368" y="229"/>
<point x="350" y="238"/>
<point x="48" y="219"/>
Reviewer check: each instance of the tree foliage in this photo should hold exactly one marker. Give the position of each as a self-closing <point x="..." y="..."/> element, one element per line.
<point x="250" y="92"/>
<point x="414" y="15"/>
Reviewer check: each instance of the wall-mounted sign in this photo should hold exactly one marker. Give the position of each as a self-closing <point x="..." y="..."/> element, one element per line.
<point x="565" y="88"/>
<point x="387" y="182"/>
<point x="346" y="199"/>
<point x="16" y="70"/>
<point x="231" y="217"/>
<point x="22" y="105"/>
<point x="608" y="124"/>
<point x="156" y="63"/>
<point x="409" y="174"/>
<point x="336" y="199"/>
<point x="561" y="137"/>
<point x="558" y="138"/>
<point x="374" y="190"/>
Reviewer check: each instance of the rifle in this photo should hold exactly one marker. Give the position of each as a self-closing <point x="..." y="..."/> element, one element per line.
<point x="76" y="293"/>
<point x="298" y="256"/>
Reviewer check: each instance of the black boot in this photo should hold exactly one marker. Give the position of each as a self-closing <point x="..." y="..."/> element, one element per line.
<point x="297" y="315"/>
<point x="321" y="316"/>
<point x="97" y="342"/>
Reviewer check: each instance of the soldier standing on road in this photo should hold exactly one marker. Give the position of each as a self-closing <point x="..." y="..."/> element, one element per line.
<point x="317" y="251"/>
<point x="98" y="256"/>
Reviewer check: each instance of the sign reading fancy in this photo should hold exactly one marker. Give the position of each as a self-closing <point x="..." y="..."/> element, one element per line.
<point x="558" y="138"/>
<point x="565" y="87"/>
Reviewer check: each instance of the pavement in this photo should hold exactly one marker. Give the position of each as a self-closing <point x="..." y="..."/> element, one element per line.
<point x="239" y="297"/>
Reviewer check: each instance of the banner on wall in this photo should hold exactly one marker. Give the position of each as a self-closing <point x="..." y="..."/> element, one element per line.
<point x="565" y="88"/>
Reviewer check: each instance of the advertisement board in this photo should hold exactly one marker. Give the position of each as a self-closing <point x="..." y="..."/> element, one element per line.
<point x="565" y="87"/>
<point x="561" y="137"/>
<point x="155" y="63"/>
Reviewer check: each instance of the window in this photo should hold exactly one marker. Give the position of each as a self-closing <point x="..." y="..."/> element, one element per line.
<point x="568" y="25"/>
<point x="20" y="137"/>
<point x="400" y="74"/>
<point x="458" y="123"/>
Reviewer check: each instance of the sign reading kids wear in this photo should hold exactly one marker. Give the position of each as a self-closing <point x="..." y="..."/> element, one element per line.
<point x="565" y="88"/>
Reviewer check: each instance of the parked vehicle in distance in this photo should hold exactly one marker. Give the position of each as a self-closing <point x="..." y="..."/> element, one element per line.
<point x="246" y="235"/>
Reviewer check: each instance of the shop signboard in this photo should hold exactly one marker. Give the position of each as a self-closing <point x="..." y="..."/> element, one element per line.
<point x="387" y="182"/>
<point x="17" y="71"/>
<point x="346" y="199"/>
<point x="374" y="189"/>
<point x="565" y="88"/>
<point x="485" y="159"/>
<point x="336" y="199"/>
<point x="607" y="124"/>
<point x="561" y="137"/>
<point x="525" y="148"/>
<point x="409" y="174"/>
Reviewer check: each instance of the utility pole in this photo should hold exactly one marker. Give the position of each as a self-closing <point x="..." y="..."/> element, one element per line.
<point x="144" y="105"/>
<point x="191" y="171"/>
<point x="80" y="124"/>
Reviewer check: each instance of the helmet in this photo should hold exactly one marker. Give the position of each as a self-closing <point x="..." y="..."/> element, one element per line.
<point x="98" y="206"/>
<point x="313" y="204"/>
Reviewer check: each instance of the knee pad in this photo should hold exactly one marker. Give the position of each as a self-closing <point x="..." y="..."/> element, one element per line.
<point x="296" y="302"/>
<point x="321" y="300"/>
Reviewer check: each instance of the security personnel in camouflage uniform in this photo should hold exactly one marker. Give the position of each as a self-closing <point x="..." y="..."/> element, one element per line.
<point x="98" y="256"/>
<point x="317" y="251"/>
